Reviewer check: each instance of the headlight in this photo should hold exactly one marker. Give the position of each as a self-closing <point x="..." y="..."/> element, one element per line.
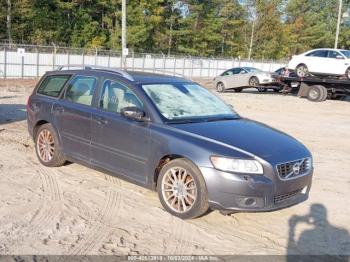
<point x="237" y="165"/>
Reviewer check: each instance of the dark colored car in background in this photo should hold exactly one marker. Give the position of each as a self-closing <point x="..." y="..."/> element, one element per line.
<point x="280" y="72"/>
<point x="168" y="134"/>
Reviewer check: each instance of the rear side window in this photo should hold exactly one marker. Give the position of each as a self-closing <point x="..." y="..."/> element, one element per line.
<point x="81" y="90"/>
<point x="227" y="73"/>
<point x="53" y="85"/>
<point x="318" y="53"/>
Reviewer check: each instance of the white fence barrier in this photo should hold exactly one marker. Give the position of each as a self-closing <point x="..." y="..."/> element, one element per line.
<point x="34" y="61"/>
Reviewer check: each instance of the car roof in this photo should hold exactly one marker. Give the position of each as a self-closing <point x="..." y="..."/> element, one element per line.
<point x="250" y="67"/>
<point x="332" y="49"/>
<point x="140" y="77"/>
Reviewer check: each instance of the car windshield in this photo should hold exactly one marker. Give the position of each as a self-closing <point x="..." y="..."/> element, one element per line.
<point x="252" y="69"/>
<point x="187" y="102"/>
<point x="346" y="53"/>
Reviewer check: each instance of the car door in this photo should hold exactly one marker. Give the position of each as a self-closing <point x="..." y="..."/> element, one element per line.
<point x="73" y="116"/>
<point x="335" y="63"/>
<point x="119" y="144"/>
<point x="243" y="78"/>
<point x="234" y="80"/>
<point x="316" y="61"/>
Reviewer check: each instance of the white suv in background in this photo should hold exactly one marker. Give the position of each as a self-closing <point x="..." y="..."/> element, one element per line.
<point x="322" y="62"/>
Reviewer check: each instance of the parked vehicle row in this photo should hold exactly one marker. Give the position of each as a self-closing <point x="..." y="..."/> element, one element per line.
<point x="168" y="134"/>
<point x="321" y="73"/>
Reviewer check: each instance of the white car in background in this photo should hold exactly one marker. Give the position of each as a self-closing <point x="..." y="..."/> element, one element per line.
<point x="324" y="61"/>
<point x="243" y="77"/>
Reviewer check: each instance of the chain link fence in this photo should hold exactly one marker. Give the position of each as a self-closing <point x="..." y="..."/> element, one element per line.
<point x="31" y="61"/>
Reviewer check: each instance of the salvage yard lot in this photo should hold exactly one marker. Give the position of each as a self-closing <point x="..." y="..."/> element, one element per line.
<point x="76" y="210"/>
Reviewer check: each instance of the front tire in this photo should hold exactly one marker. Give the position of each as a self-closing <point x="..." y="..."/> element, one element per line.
<point x="347" y="73"/>
<point x="253" y="81"/>
<point x="302" y="70"/>
<point x="182" y="189"/>
<point x="220" y="87"/>
<point x="47" y="147"/>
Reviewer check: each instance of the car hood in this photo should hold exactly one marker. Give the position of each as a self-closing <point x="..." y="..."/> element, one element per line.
<point x="250" y="136"/>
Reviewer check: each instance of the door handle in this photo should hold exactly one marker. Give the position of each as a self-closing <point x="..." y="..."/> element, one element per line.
<point x="101" y="121"/>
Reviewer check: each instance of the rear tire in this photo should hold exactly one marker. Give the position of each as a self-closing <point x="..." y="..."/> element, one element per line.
<point x="220" y="87"/>
<point x="317" y="93"/>
<point x="47" y="147"/>
<point x="302" y="70"/>
<point x="182" y="189"/>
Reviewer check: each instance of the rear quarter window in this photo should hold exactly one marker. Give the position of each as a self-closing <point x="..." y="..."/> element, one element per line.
<point x="53" y="85"/>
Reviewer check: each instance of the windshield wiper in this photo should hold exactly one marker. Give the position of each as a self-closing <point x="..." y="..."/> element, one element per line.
<point x="183" y="121"/>
<point x="221" y="119"/>
<point x="202" y="120"/>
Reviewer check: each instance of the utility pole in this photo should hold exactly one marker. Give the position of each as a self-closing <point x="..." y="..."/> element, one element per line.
<point x="251" y="41"/>
<point x="9" y="21"/>
<point x="338" y="24"/>
<point x="124" y="34"/>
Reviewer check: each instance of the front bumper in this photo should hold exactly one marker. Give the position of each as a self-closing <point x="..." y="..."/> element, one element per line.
<point x="254" y="193"/>
<point x="267" y="81"/>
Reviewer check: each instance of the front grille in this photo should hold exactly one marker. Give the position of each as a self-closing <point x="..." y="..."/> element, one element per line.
<point x="281" y="198"/>
<point x="294" y="169"/>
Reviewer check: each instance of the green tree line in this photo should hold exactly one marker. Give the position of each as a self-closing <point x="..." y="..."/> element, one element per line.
<point x="277" y="29"/>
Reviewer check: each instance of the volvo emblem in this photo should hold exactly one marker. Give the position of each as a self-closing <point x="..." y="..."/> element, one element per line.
<point x="296" y="168"/>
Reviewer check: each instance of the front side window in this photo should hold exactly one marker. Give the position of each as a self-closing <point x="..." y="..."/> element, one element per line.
<point x="115" y="97"/>
<point x="187" y="101"/>
<point x="333" y="54"/>
<point x="236" y="71"/>
<point x="53" y="85"/>
<point x="346" y="53"/>
<point x="81" y="90"/>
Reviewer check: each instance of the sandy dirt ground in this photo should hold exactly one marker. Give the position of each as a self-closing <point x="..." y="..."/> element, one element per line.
<point x="76" y="210"/>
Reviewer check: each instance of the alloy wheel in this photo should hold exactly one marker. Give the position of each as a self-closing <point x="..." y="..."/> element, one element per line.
<point x="179" y="190"/>
<point x="220" y="87"/>
<point x="302" y="71"/>
<point x="254" y="81"/>
<point x="46" y="145"/>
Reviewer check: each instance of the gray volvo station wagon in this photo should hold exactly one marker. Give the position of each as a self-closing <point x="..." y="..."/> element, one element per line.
<point x="168" y="134"/>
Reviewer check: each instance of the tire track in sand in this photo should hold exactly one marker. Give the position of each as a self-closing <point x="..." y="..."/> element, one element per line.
<point x="182" y="235"/>
<point x="104" y="224"/>
<point x="53" y="201"/>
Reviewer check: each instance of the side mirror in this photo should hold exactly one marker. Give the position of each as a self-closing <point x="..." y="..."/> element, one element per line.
<point x="134" y="113"/>
<point x="339" y="57"/>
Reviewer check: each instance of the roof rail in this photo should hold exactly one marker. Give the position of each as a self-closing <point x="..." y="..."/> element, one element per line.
<point x="121" y="72"/>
